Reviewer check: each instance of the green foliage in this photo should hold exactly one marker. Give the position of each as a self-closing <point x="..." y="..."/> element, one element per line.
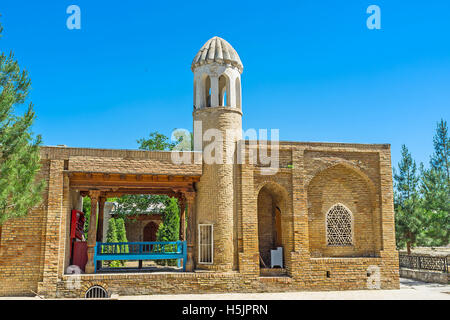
<point x="156" y="141"/>
<point x="87" y="214"/>
<point x="117" y="233"/>
<point x="422" y="199"/>
<point x="121" y="234"/>
<point x="435" y="187"/>
<point x="409" y="218"/>
<point x="440" y="160"/>
<point x="169" y="229"/>
<point x="19" y="152"/>
<point x="135" y="204"/>
<point x="111" y="236"/>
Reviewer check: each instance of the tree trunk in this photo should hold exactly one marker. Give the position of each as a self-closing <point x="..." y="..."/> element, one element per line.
<point x="408" y="247"/>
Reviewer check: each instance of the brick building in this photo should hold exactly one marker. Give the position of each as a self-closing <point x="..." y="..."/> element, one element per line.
<point x="329" y="206"/>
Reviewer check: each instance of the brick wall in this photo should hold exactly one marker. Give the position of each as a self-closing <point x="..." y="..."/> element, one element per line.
<point x="22" y="248"/>
<point x="216" y="197"/>
<point x="340" y="184"/>
<point x="33" y="249"/>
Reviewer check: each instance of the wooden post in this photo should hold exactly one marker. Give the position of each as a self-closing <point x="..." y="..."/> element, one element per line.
<point x="101" y="209"/>
<point x="182" y="202"/>
<point x="190" y="197"/>
<point x="92" y="232"/>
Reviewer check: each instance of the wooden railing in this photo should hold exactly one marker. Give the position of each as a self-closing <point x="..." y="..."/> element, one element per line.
<point x="140" y="251"/>
<point x="422" y="262"/>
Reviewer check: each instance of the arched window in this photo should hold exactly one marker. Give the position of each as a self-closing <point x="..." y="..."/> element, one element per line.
<point x="207" y="94"/>
<point x="223" y="91"/>
<point x="238" y="92"/>
<point x="339" y="224"/>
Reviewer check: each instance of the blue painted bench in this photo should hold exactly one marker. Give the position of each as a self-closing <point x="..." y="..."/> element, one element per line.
<point x="108" y="251"/>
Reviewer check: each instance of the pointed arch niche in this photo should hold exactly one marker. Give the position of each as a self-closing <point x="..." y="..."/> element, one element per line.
<point x="207" y="93"/>
<point x="344" y="218"/>
<point x="273" y="232"/>
<point x="224" y="91"/>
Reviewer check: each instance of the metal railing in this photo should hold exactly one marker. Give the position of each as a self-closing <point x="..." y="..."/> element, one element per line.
<point x="140" y="251"/>
<point x="422" y="262"/>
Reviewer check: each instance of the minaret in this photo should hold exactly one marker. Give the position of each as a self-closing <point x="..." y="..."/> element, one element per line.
<point x="217" y="105"/>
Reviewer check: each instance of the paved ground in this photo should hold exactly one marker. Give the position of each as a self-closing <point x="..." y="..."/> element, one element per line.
<point x="409" y="290"/>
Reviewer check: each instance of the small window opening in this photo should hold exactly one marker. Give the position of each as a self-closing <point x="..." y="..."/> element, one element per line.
<point x="339" y="223"/>
<point x="96" y="292"/>
<point x="206" y="242"/>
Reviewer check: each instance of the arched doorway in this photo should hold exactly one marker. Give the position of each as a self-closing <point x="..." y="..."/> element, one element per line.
<point x="150" y="232"/>
<point x="271" y="203"/>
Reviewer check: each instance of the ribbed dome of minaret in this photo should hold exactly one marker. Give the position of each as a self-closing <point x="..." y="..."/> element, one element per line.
<point x="217" y="50"/>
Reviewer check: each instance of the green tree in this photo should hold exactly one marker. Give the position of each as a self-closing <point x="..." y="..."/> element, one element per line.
<point x="156" y="141"/>
<point x="135" y="204"/>
<point x="121" y="235"/>
<point x="435" y="187"/>
<point x="169" y="229"/>
<point x="111" y="234"/>
<point x="409" y="217"/>
<point x="111" y="237"/>
<point x="87" y="214"/>
<point x="19" y="151"/>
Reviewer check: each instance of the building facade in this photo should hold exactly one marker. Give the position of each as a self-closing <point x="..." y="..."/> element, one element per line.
<point x="328" y="206"/>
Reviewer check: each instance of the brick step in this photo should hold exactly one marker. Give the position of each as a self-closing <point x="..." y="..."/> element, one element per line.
<point x="272" y="272"/>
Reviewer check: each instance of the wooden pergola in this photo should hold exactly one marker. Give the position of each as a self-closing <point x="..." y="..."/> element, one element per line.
<point x="102" y="185"/>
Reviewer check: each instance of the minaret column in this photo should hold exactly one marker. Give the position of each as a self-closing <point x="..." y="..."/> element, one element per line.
<point x="217" y="199"/>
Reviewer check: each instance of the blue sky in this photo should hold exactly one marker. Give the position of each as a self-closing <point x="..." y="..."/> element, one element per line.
<point x="311" y="68"/>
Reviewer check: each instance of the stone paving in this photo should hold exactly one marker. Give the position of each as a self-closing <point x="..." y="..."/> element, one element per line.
<point x="409" y="290"/>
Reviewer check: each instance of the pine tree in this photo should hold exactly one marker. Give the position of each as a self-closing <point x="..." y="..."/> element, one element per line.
<point x="440" y="160"/>
<point x="169" y="229"/>
<point x="19" y="153"/>
<point x="408" y="212"/>
<point x="111" y="237"/>
<point x="122" y="235"/>
<point x="435" y="188"/>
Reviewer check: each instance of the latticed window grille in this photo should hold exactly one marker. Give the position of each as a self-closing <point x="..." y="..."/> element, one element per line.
<point x="339" y="226"/>
<point x="205" y="247"/>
